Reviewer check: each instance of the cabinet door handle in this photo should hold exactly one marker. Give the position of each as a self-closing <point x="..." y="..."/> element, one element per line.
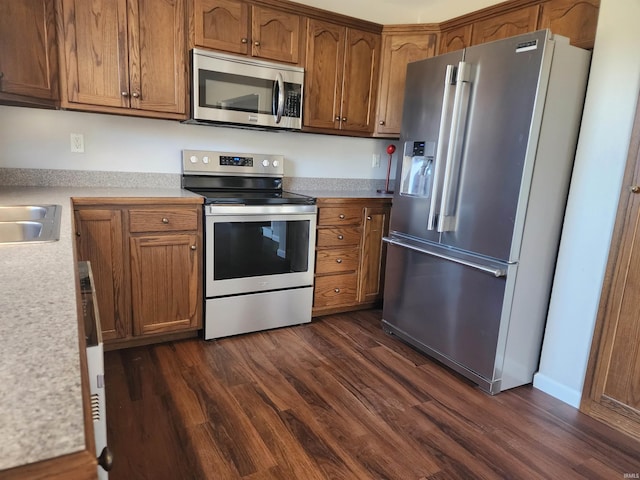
<point x="635" y="189"/>
<point x="341" y="216"/>
<point x="165" y="220"/>
<point x="368" y="217"/>
<point x="124" y="94"/>
<point x="243" y="40"/>
<point x="381" y="122"/>
<point x="257" y="44"/>
<point x="135" y="95"/>
<point x="337" y="118"/>
<point x="344" y="119"/>
<point x="338" y="260"/>
<point x="340" y="237"/>
<point x="337" y="290"/>
<point x="193" y="247"/>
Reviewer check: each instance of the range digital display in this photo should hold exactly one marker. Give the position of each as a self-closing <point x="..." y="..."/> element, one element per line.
<point x="236" y="161"/>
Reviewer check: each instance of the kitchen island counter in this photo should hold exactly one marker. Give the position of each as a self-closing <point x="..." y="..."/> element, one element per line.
<point x="41" y="398"/>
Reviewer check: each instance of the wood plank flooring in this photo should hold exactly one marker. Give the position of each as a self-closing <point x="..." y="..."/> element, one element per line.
<point x="337" y="399"/>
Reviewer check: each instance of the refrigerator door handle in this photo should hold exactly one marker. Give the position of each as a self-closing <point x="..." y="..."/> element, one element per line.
<point x="447" y="219"/>
<point x="496" y="272"/>
<point x="441" y="151"/>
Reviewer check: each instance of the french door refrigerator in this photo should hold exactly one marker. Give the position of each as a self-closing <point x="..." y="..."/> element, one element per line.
<point x="488" y="140"/>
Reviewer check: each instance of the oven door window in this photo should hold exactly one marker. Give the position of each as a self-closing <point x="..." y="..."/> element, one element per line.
<point x="260" y="248"/>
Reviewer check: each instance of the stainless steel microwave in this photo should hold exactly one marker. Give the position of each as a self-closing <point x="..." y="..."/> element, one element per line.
<point x="243" y="91"/>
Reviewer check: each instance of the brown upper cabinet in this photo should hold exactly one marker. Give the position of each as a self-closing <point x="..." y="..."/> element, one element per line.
<point x="574" y="19"/>
<point x="124" y="56"/>
<point x="341" y="77"/>
<point x="506" y="25"/>
<point x="398" y="50"/>
<point x="237" y="27"/>
<point x="29" y="61"/>
<point x="455" y="39"/>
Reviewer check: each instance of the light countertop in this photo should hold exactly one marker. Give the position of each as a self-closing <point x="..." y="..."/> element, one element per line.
<point x="355" y="194"/>
<point x="40" y="385"/>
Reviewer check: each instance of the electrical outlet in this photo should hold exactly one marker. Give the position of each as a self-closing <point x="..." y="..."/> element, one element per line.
<point x="77" y="143"/>
<point x="375" y="162"/>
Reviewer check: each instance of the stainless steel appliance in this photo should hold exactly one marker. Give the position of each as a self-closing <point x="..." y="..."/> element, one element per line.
<point x="242" y="91"/>
<point x="95" y="367"/>
<point x="259" y="242"/>
<point x="488" y="137"/>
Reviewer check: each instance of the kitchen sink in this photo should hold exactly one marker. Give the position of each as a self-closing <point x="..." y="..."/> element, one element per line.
<point x="29" y="223"/>
<point x="13" y="213"/>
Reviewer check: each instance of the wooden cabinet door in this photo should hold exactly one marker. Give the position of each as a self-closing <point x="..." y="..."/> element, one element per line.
<point x="506" y="25"/>
<point x="29" y="62"/>
<point x="455" y="39"/>
<point x="100" y="240"/>
<point x="360" y="81"/>
<point x="275" y="35"/>
<point x="222" y="25"/>
<point x="574" y="19"/>
<point x="96" y="52"/>
<point x="612" y="383"/>
<point x="324" y="74"/>
<point x="157" y="55"/>
<point x="398" y="50"/>
<point x="164" y="280"/>
<point x="376" y="225"/>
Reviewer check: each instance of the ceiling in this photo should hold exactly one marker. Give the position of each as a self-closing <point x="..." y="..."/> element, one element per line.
<point x="389" y="12"/>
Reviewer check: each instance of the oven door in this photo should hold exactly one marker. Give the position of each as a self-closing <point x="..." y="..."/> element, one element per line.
<point x="258" y="248"/>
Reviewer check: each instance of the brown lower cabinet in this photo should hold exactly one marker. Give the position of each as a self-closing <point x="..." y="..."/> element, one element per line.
<point x="147" y="262"/>
<point x="349" y="253"/>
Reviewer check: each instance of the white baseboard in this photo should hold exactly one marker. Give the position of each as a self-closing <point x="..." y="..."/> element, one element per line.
<point x="557" y="390"/>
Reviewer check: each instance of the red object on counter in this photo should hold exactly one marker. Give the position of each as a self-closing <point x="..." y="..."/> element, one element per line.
<point x="390" y="150"/>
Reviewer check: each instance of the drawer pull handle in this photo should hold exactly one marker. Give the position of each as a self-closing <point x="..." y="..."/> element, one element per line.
<point x="165" y="220"/>
<point x="338" y="260"/>
<point x="337" y="290"/>
<point x="368" y="217"/>
<point x="341" y="216"/>
<point x="193" y="247"/>
<point x="340" y="237"/>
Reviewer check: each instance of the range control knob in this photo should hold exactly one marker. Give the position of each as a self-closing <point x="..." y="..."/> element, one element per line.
<point x="205" y="159"/>
<point x="276" y="163"/>
<point x="265" y="163"/>
<point x="193" y="159"/>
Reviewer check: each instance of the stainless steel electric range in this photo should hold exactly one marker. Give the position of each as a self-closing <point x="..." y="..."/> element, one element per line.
<point x="259" y="242"/>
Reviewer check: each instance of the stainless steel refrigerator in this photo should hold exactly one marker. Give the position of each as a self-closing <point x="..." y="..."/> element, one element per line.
<point x="487" y="146"/>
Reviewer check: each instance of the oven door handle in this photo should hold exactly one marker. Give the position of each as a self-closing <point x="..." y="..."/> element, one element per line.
<point x="279" y="93"/>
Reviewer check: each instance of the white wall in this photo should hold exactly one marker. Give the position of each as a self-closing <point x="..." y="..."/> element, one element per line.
<point x="387" y="12"/>
<point x="34" y="138"/>
<point x="595" y="188"/>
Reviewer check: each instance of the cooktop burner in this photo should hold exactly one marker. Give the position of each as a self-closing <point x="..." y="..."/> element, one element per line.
<point x="252" y="197"/>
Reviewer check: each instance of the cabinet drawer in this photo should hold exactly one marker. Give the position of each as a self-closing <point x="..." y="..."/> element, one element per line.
<point x="338" y="237"/>
<point x="337" y="260"/>
<point x="163" y="220"/>
<point x="339" y="216"/>
<point x="335" y="290"/>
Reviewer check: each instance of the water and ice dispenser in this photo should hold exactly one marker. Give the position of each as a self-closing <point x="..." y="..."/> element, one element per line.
<point x="417" y="168"/>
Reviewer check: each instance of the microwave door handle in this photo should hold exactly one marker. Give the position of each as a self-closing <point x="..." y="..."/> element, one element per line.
<point x="280" y="109"/>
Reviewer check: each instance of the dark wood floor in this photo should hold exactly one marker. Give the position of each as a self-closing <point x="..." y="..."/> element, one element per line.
<point x="337" y="399"/>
